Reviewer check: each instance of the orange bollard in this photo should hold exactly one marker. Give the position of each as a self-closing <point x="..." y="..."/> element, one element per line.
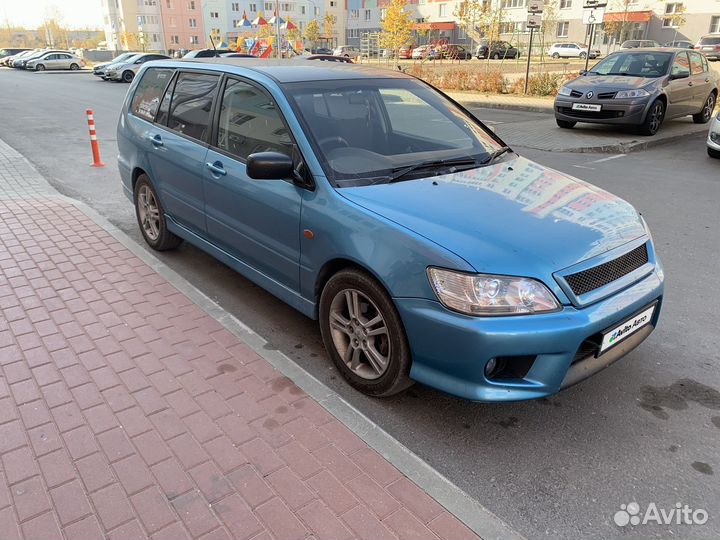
<point x="93" y="140"/>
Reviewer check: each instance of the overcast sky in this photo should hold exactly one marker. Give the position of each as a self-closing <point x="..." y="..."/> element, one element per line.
<point x="32" y="13"/>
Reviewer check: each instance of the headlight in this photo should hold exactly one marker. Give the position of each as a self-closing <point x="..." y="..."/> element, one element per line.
<point x="483" y="294"/>
<point x="564" y="91"/>
<point x="625" y="94"/>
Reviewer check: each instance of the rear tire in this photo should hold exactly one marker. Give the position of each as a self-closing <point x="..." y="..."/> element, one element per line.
<point x="496" y="56"/>
<point x="74" y="67"/>
<point x="653" y="120"/>
<point x="128" y="76"/>
<point x="565" y="124"/>
<point x="713" y="153"/>
<point x="376" y="364"/>
<point x="151" y="217"/>
<point x="705" y="115"/>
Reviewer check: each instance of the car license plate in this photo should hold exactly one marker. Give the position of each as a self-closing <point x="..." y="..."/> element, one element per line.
<point x="586" y="107"/>
<point x="627" y="328"/>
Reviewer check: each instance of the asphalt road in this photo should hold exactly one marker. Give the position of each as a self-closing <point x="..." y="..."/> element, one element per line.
<point x="645" y="430"/>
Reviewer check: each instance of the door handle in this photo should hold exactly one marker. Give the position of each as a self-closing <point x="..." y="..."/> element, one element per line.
<point x="707" y="80"/>
<point x="216" y="168"/>
<point x="156" y="140"/>
<point x="690" y="83"/>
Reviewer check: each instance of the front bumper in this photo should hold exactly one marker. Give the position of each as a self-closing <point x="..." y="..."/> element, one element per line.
<point x="630" y="112"/>
<point x="112" y="75"/>
<point x="713" y="140"/>
<point x="456" y="363"/>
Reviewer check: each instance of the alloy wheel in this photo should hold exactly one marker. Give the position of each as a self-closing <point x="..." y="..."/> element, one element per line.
<point x="709" y="107"/>
<point x="149" y="213"/>
<point x="656" y="117"/>
<point x="360" y="334"/>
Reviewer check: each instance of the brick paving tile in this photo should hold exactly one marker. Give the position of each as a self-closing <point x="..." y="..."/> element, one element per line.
<point x="127" y="412"/>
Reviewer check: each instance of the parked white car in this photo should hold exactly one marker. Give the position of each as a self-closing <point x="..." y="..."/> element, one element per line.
<point x="713" y="140"/>
<point x="571" y="50"/>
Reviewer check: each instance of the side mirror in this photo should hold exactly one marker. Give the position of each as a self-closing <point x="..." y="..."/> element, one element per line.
<point x="269" y="166"/>
<point x="679" y="75"/>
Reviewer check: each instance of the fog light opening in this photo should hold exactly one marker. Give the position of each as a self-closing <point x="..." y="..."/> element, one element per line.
<point x="493" y="367"/>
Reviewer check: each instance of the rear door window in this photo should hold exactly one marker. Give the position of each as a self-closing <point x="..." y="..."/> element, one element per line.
<point x="149" y="91"/>
<point x="696" y="64"/>
<point x="191" y="104"/>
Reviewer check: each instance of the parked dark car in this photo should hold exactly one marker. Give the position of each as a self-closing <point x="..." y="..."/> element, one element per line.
<point x="455" y="52"/>
<point x="496" y="50"/>
<point x="329" y="58"/>
<point x="681" y="44"/>
<point x="206" y="53"/>
<point x="640" y="87"/>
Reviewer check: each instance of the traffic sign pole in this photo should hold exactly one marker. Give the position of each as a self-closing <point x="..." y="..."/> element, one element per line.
<point x="527" y="68"/>
<point x="590" y="41"/>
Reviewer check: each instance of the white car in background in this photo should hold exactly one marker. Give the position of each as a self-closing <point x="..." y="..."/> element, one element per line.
<point x="571" y="50"/>
<point x="713" y="140"/>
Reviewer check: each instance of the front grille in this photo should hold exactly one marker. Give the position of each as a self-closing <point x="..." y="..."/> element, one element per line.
<point x="567" y="111"/>
<point x="598" y="276"/>
<point x="606" y="95"/>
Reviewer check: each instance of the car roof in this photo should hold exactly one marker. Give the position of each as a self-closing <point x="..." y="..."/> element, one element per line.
<point x="286" y="71"/>
<point x="648" y="49"/>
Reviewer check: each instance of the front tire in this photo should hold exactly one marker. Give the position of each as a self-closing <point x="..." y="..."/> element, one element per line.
<point x="40" y="67"/>
<point x="704" y="116"/>
<point x="496" y="56"/>
<point x="555" y="55"/>
<point x="654" y="119"/>
<point x="565" y="124"/>
<point x="128" y="76"/>
<point x="713" y="153"/>
<point x="363" y="334"/>
<point x="151" y="217"/>
<point x="583" y="55"/>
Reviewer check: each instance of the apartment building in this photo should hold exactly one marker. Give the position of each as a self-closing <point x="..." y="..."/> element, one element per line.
<point x="184" y="25"/>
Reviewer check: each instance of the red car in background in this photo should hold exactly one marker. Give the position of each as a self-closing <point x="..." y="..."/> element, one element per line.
<point x="406" y="52"/>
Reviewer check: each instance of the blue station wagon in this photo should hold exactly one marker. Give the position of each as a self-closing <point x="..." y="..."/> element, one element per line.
<point x="428" y="250"/>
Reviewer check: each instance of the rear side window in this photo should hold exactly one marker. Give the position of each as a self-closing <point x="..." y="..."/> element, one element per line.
<point x="191" y="104"/>
<point x="696" y="64"/>
<point x="149" y="91"/>
<point x="681" y="64"/>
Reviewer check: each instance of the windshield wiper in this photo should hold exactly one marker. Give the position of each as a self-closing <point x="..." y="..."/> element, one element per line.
<point x="400" y="173"/>
<point x="625" y="74"/>
<point x="496" y="154"/>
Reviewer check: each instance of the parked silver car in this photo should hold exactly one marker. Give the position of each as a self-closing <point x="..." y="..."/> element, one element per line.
<point x="55" y="60"/>
<point x="125" y="71"/>
<point x="710" y="46"/>
<point x="99" y="69"/>
<point x="640" y="87"/>
<point x="713" y="140"/>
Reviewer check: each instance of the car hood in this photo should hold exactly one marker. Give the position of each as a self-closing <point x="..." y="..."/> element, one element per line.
<point x="609" y="82"/>
<point x="516" y="217"/>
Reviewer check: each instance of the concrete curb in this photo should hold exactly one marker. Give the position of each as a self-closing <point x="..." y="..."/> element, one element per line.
<point x="475" y="516"/>
<point x="505" y="106"/>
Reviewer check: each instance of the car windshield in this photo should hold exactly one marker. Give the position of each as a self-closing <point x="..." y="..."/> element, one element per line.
<point x="710" y="41"/>
<point x="376" y="130"/>
<point x="634" y="64"/>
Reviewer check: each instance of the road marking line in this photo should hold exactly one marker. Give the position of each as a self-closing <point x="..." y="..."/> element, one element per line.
<point x="610" y="158"/>
<point x="583" y="167"/>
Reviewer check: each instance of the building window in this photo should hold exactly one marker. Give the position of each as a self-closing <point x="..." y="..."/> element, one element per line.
<point x="565" y="4"/>
<point x="192" y="23"/>
<point x="235" y="6"/>
<point x="316" y="10"/>
<point x="252" y="8"/>
<point x="332" y="3"/>
<point x="354" y="13"/>
<point x="191" y="4"/>
<point x="562" y="29"/>
<point x="214" y="15"/>
<point x="194" y="40"/>
<point x="673" y="13"/>
<point x="383" y="13"/>
<point x="175" y="40"/>
<point x="442" y="10"/>
<point x="173" y="22"/>
<point x="168" y="4"/>
<point x="714" y="24"/>
<point x="269" y="6"/>
<point x="513" y="3"/>
<point x="368" y="14"/>
<point x="287" y="7"/>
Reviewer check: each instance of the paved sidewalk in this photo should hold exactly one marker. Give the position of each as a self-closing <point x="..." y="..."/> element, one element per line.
<point x="127" y="412"/>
